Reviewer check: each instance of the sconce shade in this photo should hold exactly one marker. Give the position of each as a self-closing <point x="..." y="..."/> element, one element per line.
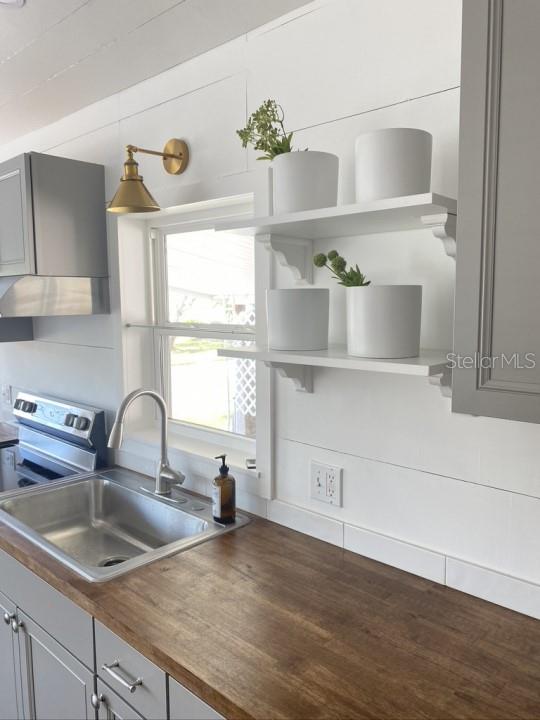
<point x="132" y="195"/>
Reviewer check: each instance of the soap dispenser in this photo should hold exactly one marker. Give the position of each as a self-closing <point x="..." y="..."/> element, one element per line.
<point x="224" y="494"/>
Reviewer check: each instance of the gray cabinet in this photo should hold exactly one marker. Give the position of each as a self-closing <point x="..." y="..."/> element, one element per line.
<point x="16" y="225"/>
<point x="55" y="685"/>
<point x="10" y="699"/>
<point x="52" y="217"/>
<point x="184" y="705"/>
<point x="497" y="331"/>
<point x="56" y="663"/>
<point x="132" y="676"/>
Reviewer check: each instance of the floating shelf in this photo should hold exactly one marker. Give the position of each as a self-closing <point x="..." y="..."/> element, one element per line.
<point x="297" y="365"/>
<point x="291" y="236"/>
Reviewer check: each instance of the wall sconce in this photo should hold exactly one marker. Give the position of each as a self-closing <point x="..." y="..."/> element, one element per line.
<point x="132" y="195"/>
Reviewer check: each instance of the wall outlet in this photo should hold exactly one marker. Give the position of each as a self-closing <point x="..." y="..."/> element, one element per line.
<point x="6" y="394"/>
<point x="326" y="483"/>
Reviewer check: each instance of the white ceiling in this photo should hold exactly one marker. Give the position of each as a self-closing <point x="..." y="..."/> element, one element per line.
<point x="57" y="56"/>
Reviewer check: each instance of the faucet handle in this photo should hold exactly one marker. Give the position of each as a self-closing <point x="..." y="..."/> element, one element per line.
<point x="166" y="477"/>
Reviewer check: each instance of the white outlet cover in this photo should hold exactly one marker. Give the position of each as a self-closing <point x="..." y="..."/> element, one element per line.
<point x="326" y="483"/>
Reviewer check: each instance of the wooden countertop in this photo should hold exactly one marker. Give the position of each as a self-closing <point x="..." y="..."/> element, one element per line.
<point x="265" y="622"/>
<point x="9" y="435"/>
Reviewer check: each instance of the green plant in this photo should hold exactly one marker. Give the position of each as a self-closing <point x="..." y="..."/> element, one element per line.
<point x="265" y="131"/>
<point x="337" y="265"/>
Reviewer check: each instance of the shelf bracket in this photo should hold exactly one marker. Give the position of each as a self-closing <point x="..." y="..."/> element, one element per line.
<point x="293" y="253"/>
<point x="301" y="375"/>
<point x="443" y="226"/>
<point x="443" y="381"/>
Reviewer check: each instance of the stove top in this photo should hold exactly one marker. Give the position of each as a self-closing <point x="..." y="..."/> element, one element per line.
<point x="57" y="438"/>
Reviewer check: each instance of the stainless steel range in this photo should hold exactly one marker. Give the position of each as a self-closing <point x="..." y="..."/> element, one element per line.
<point x="56" y="439"/>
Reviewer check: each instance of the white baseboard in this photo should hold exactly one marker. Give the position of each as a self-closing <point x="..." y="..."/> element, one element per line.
<point x="412" y="558"/>
<point x="295" y="518"/>
<point x="496" y="587"/>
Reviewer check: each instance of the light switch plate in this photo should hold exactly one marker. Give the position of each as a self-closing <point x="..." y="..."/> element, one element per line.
<point x="326" y="483"/>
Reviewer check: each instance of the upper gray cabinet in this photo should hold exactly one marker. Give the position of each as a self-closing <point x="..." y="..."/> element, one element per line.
<point x="52" y="217"/>
<point x="16" y="223"/>
<point x="497" y="312"/>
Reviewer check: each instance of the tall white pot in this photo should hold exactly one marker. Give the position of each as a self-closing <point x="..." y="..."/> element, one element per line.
<point x="298" y="318"/>
<point x="392" y="162"/>
<point x="304" y="180"/>
<point x="383" y="321"/>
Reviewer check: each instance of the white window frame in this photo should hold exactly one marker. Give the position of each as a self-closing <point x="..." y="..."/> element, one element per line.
<point x="190" y="221"/>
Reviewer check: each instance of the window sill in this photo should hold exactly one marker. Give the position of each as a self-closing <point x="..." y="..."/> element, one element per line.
<point x="199" y="449"/>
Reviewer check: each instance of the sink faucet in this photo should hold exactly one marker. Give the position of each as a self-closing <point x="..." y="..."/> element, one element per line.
<point x="165" y="475"/>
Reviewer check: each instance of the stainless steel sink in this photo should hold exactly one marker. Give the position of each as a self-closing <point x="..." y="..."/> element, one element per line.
<point x="104" y="525"/>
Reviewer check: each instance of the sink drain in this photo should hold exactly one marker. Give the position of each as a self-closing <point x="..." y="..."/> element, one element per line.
<point x="115" y="560"/>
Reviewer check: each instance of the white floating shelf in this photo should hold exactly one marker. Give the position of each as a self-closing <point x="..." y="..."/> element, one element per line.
<point x="291" y="236"/>
<point x="297" y="365"/>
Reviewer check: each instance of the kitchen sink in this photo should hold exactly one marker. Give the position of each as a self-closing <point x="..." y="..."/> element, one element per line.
<point x="102" y="526"/>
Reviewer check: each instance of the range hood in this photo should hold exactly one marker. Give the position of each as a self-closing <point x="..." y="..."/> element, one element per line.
<point x="53" y="241"/>
<point x="38" y="296"/>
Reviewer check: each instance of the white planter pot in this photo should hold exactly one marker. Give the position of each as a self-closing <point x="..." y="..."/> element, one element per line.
<point x="392" y="162"/>
<point x="304" y="180"/>
<point x="298" y="318"/>
<point x="383" y="321"/>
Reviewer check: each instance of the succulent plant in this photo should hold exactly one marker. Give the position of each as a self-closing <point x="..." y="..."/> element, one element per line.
<point x="337" y="265"/>
<point x="265" y="131"/>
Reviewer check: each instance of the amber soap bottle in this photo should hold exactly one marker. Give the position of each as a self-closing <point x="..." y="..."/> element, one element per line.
<point x="224" y="494"/>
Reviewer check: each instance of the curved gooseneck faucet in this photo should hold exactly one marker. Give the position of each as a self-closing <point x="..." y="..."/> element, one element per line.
<point x="165" y="475"/>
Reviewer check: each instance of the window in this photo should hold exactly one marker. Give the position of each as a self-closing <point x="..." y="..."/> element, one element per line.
<point x="205" y="293"/>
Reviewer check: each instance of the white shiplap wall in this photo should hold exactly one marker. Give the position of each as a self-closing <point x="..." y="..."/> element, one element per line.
<point x="450" y="497"/>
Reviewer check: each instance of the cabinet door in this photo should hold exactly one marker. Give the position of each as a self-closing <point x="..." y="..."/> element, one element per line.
<point x="9" y="663"/>
<point x="56" y="686"/>
<point x="112" y="707"/>
<point x="498" y="255"/>
<point x="16" y="224"/>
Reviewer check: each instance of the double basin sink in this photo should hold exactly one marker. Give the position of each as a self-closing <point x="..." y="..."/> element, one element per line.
<point x="102" y="526"/>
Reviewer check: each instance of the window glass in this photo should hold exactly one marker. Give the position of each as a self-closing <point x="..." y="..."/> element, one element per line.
<point x="211" y="391"/>
<point x="210" y="278"/>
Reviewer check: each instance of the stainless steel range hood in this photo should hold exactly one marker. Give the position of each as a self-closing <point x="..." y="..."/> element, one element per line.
<point x="53" y="241"/>
<point x="38" y="296"/>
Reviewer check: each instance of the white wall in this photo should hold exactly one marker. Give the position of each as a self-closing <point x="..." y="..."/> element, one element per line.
<point x="444" y="485"/>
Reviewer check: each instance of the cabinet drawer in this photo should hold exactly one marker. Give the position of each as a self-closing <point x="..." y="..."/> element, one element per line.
<point x="60" y="617"/>
<point x="184" y="705"/>
<point x="119" y="665"/>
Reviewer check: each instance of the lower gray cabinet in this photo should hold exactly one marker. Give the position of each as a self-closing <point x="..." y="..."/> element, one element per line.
<point x="110" y="706"/>
<point x="184" y="705"/>
<point x="55" y="685"/>
<point x="10" y="699"/>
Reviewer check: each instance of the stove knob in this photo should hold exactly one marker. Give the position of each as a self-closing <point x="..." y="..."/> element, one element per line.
<point x="82" y="423"/>
<point x="18" y="404"/>
<point x="70" y="420"/>
<point x="28" y="407"/>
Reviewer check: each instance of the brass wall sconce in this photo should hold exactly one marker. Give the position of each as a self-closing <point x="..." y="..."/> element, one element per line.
<point x="132" y="195"/>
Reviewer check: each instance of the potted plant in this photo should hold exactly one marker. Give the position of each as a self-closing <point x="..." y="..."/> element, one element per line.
<point x="300" y="180"/>
<point x="383" y="321"/>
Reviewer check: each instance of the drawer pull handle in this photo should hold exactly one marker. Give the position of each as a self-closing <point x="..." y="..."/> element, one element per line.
<point x="8" y="617"/>
<point x="128" y="684"/>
